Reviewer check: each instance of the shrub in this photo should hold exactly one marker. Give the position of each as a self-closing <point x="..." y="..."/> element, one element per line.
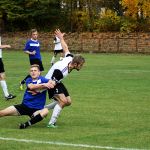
<point x="108" y="21"/>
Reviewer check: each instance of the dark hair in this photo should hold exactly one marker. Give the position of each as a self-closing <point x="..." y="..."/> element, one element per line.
<point x="78" y="59"/>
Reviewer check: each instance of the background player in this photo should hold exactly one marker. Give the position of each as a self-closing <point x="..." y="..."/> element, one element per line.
<point x="32" y="48"/>
<point x="57" y="49"/>
<point x="3" y="76"/>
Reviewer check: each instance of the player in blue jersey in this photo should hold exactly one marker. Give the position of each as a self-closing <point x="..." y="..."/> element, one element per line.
<point x="32" y="48"/>
<point x="57" y="72"/>
<point x="33" y="100"/>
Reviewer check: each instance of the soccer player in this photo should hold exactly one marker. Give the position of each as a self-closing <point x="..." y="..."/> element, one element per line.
<point x="57" y="49"/>
<point x="57" y="72"/>
<point x="3" y="76"/>
<point x="32" y="48"/>
<point x="33" y="100"/>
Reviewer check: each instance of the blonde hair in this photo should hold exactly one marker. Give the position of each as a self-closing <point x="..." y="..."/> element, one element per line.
<point x="35" y="65"/>
<point x="33" y="30"/>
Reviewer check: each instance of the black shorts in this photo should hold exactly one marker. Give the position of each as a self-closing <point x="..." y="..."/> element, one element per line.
<point x="59" y="89"/>
<point x="1" y="66"/>
<point x="24" y="110"/>
<point x="58" y="51"/>
<point x="37" y="62"/>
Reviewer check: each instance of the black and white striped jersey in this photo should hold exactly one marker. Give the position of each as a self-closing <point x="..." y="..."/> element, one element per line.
<point x="60" y="69"/>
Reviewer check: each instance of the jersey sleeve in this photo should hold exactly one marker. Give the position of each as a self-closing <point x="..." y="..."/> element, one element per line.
<point x="57" y="75"/>
<point x="44" y="80"/>
<point x="28" y="81"/>
<point x="27" y="46"/>
<point x="68" y="54"/>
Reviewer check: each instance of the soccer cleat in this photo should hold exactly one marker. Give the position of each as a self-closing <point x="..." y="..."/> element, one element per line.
<point x="22" y="126"/>
<point x="10" y="96"/>
<point x="51" y="126"/>
<point x="21" y="87"/>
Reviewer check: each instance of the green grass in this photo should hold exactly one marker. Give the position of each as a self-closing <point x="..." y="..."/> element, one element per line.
<point x="110" y="104"/>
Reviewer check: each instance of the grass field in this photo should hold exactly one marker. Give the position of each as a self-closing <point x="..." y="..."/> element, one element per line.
<point x="110" y="106"/>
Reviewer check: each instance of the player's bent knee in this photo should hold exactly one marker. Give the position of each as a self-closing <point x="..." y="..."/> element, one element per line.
<point x="68" y="103"/>
<point x="2" y="76"/>
<point x="44" y="112"/>
<point x="1" y="114"/>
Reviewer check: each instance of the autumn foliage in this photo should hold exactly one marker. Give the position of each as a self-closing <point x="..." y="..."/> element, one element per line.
<point x="75" y="15"/>
<point x="136" y="8"/>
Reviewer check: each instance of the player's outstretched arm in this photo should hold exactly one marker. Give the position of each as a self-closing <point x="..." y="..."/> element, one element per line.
<point x="48" y="85"/>
<point x="5" y="46"/>
<point x="64" y="45"/>
<point x="30" y="53"/>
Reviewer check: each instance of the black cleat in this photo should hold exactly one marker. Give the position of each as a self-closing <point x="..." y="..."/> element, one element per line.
<point x="22" y="126"/>
<point x="10" y="96"/>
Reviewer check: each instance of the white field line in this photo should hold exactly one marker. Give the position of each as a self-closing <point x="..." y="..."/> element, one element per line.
<point x="67" y="144"/>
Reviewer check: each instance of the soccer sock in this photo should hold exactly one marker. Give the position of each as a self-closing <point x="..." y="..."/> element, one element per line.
<point x="4" y="87"/>
<point x="60" y="58"/>
<point x="53" y="59"/>
<point x="55" y="114"/>
<point x="51" y="105"/>
<point x="24" y="80"/>
<point x="33" y="120"/>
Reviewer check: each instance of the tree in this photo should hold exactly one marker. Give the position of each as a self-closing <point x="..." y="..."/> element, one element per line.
<point x="136" y="8"/>
<point x="25" y="14"/>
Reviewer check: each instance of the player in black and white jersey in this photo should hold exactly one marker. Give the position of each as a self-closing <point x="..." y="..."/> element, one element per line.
<point x="57" y="72"/>
<point x="57" y="50"/>
<point x="3" y="83"/>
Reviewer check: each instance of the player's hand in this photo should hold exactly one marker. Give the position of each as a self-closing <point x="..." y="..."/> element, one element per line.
<point x="33" y="53"/>
<point x="32" y="92"/>
<point x="8" y="46"/>
<point x="50" y="84"/>
<point x="59" y="34"/>
<point x="5" y="46"/>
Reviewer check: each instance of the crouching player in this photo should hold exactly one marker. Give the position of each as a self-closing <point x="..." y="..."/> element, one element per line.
<point x="34" y="99"/>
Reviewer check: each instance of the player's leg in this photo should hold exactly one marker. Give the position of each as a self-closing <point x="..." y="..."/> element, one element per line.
<point x="40" y="116"/>
<point x="62" y="102"/>
<point x="61" y="94"/>
<point x="9" y="111"/>
<point x="53" y="58"/>
<point x="4" y="87"/>
<point x="52" y="104"/>
<point x="61" y="55"/>
<point x="3" y="84"/>
<point x="23" y="82"/>
<point x="36" y="113"/>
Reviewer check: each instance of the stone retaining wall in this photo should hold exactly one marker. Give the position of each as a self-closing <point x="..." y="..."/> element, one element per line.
<point x="88" y="42"/>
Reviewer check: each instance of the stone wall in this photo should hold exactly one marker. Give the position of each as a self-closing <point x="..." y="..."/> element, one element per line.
<point x="88" y="42"/>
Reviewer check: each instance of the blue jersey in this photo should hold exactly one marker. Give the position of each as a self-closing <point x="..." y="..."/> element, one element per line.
<point x="35" y="101"/>
<point x="33" y="45"/>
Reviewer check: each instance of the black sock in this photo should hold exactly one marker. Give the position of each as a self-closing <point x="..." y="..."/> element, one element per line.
<point x="33" y="120"/>
<point x="24" y="80"/>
